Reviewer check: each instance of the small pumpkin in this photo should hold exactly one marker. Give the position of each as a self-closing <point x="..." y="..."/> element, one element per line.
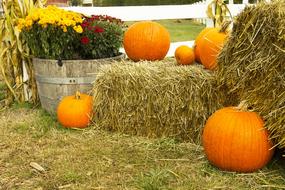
<point x="75" y="111"/>
<point x="235" y="139"/>
<point x="211" y="44"/>
<point x="184" y="55"/>
<point x="197" y="43"/>
<point x="146" y="40"/>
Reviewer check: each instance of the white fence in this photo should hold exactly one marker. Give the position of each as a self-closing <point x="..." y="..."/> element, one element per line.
<point x="138" y="13"/>
<point x="195" y="11"/>
<point x="155" y="12"/>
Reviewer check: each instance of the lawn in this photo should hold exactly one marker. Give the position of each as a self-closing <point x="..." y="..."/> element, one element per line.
<point x="37" y="153"/>
<point x="181" y="30"/>
<point x="96" y="159"/>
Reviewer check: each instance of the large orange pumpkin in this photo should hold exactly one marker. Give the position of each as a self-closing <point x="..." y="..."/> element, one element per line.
<point x="235" y="140"/>
<point x="184" y="55"/>
<point x="75" y="111"/>
<point x="210" y="46"/>
<point x="197" y="44"/>
<point x="146" y="40"/>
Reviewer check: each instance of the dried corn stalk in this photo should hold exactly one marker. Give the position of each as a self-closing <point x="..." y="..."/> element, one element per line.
<point x="217" y="11"/>
<point x="15" y="62"/>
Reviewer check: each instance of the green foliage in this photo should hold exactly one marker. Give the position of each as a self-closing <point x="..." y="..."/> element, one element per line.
<point x="101" y="38"/>
<point x="51" y="43"/>
<point x="76" y="2"/>
<point x="18" y="105"/>
<point x="52" y="33"/>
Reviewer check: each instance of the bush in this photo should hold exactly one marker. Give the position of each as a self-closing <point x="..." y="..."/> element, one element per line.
<point x="102" y="36"/>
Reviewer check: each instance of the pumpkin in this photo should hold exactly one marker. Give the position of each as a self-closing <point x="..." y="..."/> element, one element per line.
<point x="211" y="44"/>
<point x="75" y="111"/>
<point x="235" y="139"/>
<point x="184" y="55"/>
<point x="146" y="40"/>
<point x="197" y="43"/>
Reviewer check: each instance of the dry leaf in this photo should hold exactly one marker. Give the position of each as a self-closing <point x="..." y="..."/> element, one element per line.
<point x="64" y="186"/>
<point x="89" y="173"/>
<point x="37" y="167"/>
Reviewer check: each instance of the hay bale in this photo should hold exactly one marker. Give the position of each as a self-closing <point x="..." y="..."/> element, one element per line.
<point x="251" y="64"/>
<point x="155" y="99"/>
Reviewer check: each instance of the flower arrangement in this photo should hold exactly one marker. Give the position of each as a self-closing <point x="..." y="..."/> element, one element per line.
<point x="102" y="36"/>
<point x="51" y="32"/>
<point x="54" y="33"/>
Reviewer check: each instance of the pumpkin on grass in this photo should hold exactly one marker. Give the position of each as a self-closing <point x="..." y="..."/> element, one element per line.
<point x="235" y="139"/>
<point x="184" y="55"/>
<point x="75" y="111"/>
<point x="146" y="40"/>
<point x="211" y="44"/>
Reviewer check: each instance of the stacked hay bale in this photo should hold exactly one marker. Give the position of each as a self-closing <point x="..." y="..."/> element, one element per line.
<point x="252" y="63"/>
<point x="155" y="99"/>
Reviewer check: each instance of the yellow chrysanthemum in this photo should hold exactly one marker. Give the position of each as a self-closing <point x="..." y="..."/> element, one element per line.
<point x="21" y="24"/>
<point x="28" y="23"/>
<point x="64" y="29"/>
<point x="78" y="29"/>
<point x="52" y="15"/>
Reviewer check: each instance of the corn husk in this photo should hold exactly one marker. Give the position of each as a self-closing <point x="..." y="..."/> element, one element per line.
<point x="251" y="64"/>
<point x="155" y="99"/>
<point x="15" y="62"/>
<point x="218" y="11"/>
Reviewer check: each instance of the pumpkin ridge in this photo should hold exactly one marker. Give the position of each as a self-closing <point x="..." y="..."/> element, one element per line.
<point x="197" y="43"/>
<point x="223" y="148"/>
<point x="234" y="129"/>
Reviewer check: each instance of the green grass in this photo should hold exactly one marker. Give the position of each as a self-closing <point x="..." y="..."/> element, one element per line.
<point x="96" y="159"/>
<point x="155" y="179"/>
<point x="180" y="30"/>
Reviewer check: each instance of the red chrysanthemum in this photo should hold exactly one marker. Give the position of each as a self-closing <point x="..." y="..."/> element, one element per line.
<point x="85" y="40"/>
<point x="98" y="29"/>
<point x="85" y="24"/>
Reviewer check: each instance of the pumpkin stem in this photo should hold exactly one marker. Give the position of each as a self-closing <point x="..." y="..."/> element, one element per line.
<point x="225" y="25"/>
<point x="243" y="106"/>
<point x="77" y="95"/>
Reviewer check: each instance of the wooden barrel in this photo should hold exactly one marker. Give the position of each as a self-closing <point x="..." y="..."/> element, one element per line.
<point x="56" y="79"/>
